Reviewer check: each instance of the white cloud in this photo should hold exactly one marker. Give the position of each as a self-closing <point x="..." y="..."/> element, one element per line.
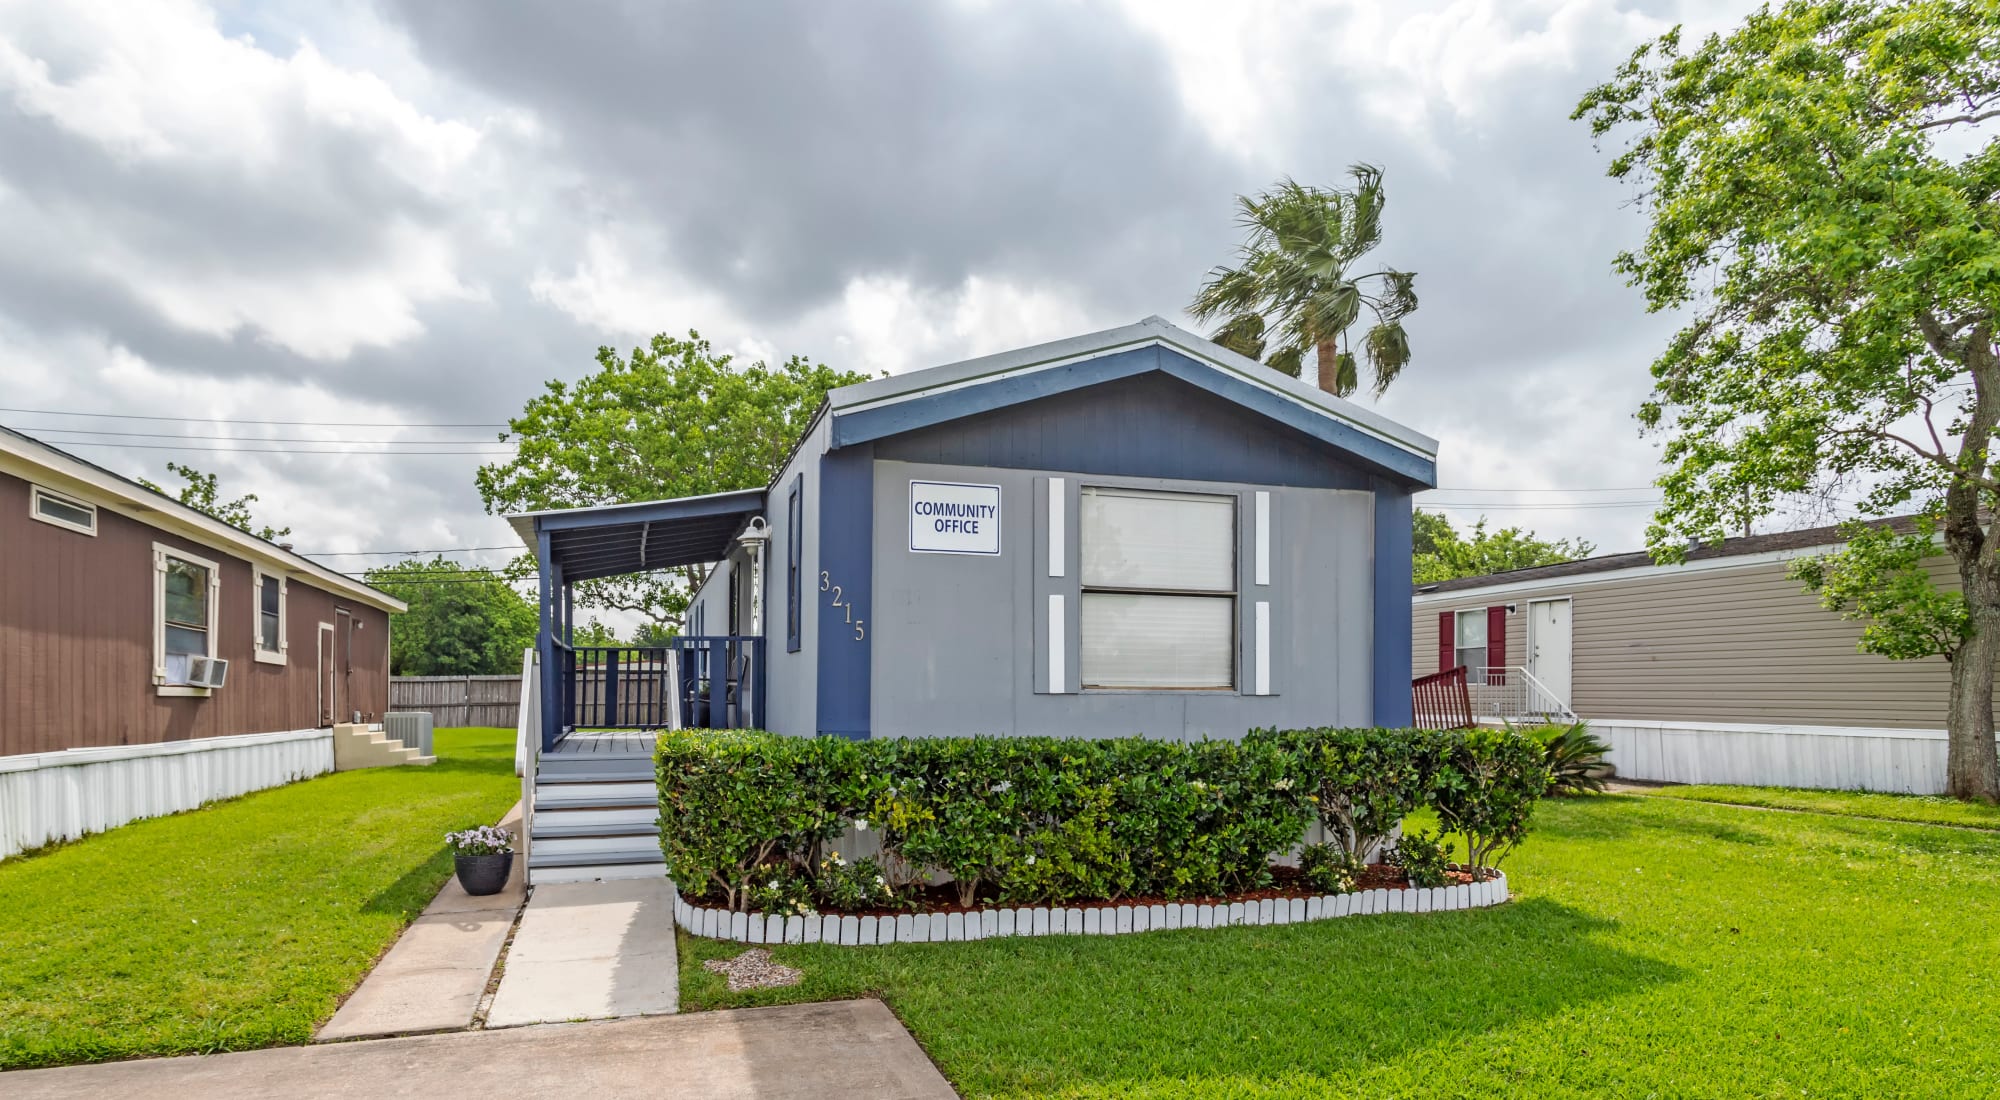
<point x="160" y="92"/>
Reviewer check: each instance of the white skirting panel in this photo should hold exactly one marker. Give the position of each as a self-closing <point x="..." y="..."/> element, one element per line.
<point x="1867" y="758"/>
<point x="52" y="796"/>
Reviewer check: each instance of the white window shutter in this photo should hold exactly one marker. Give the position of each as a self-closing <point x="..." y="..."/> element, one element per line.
<point x="1054" y="588"/>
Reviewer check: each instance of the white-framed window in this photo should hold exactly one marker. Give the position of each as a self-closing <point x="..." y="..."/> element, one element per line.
<point x="186" y="594"/>
<point x="270" y="617"/>
<point x="50" y="506"/>
<point x="1158" y="608"/>
<point x="1470" y="642"/>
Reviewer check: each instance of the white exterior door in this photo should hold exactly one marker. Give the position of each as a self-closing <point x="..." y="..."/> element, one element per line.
<point x="1548" y="650"/>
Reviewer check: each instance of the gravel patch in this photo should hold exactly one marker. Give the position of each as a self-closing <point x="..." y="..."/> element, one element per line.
<point x="754" y="969"/>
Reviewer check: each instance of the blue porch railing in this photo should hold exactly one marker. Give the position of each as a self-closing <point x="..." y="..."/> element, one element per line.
<point x="721" y="684"/>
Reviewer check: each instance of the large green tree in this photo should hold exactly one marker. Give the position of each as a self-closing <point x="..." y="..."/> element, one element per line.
<point x="672" y="419"/>
<point x="1293" y="291"/>
<point x="1443" y="553"/>
<point x="201" y="494"/>
<point x="462" y="621"/>
<point x="1821" y="183"/>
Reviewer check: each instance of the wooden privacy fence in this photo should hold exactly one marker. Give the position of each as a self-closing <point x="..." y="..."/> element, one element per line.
<point x="459" y="700"/>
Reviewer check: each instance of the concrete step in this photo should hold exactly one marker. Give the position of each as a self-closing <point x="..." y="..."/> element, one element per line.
<point x="549" y="876"/>
<point x="595" y="795"/>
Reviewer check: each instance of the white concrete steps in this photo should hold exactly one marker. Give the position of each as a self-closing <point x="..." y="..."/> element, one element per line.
<point x="358" y="746"/>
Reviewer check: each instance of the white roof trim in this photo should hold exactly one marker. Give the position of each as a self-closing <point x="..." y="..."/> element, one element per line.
<point x="1153" y="331"/>
<point x="1607" y="576"/>
<point x="30" y="458"/>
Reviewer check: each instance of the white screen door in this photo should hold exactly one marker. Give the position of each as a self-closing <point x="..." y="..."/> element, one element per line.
<point x="1548" y="650"/>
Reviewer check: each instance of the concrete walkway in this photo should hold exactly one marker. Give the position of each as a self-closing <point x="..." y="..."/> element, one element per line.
<point x="434" y="976"/>
<point x="590" y="950"/>
<point x="811" y="1052"/>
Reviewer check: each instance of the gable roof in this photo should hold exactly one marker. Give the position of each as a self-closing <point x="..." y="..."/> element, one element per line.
<point x="1777" y="542"/>
<point x="36" y="460"/>
<point x="905" y="402"/>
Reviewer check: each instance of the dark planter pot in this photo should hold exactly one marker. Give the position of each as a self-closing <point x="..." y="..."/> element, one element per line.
<point x="481" y="875"/>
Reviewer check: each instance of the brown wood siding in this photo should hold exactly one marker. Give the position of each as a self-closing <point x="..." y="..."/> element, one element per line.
<point x="76" y="641"/>
<point x="1740" y="644"/>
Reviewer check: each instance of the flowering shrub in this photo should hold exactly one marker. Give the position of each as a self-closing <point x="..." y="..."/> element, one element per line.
<point x="855" y="884"/>
<point x="1038" y="819"/>
<point x="1359" y="783"/>
<point x="1329" y="868"/>
<point x="1486" y="787"/>
<point x="778" y="888"/>
<point x="482" y="840"/>
<point x="1424" y="858"/>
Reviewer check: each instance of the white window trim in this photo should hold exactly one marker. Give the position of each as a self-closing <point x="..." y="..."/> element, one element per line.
<point x="1234" y="594"/>
<point x="37" y="492"/>
<point x="267" y="656"/>
<point x="161" y="552"/>
<point x="1484" y="627"/>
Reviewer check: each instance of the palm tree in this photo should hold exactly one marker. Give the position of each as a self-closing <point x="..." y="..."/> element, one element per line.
<point x="1291" y="284"/>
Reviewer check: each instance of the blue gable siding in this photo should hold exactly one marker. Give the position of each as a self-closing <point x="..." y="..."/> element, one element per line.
<point x="1150" y="425"/>
<point x="1000" y="395"/>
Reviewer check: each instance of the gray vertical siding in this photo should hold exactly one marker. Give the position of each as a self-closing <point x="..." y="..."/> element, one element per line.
<point x="956" y="644"/>
<point x="792" y="679"/>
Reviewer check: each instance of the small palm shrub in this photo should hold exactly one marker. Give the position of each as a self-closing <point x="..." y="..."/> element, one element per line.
<point x="1575" y="758"/>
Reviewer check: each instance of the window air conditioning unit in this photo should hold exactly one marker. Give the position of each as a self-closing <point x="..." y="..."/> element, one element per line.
<point x="207" y="672"/>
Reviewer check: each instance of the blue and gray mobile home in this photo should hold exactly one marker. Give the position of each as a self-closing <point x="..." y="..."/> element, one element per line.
<point x="1130" y="532"/>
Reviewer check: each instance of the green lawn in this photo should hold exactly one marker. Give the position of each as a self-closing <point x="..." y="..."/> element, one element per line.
<point x="1889" y="807"/>
<point x="1656" y="948"/>
<point x="237" y="925"/>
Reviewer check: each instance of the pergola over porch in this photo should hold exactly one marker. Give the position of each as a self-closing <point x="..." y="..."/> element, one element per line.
<point x="708" y="680"/>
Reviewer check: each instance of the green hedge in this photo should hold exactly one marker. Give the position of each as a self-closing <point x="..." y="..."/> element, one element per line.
<point x="747" y="817"/>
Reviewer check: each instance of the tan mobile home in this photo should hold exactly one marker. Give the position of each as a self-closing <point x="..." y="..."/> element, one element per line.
<point x="1722" y="669"/>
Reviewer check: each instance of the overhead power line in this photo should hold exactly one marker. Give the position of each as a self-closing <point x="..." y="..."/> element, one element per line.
<point x="38" y="430"/>
<point x="391" y="553"/>
<point x="271" y="450"/>
<point x="226" y="420"/>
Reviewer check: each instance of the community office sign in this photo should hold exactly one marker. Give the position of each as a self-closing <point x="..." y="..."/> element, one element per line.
<point x="948" y="517"/>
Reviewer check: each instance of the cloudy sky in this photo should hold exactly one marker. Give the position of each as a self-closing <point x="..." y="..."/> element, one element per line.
<point x="332" y="226"/>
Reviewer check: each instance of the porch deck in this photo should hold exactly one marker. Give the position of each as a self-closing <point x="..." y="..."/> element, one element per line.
<point x="605" y="743"/>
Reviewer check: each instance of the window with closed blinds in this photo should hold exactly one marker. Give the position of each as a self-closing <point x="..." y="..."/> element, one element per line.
<point x="1159" y="589"/>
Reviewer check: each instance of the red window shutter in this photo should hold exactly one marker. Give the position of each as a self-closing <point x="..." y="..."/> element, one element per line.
<point x="1447" y="641"/>
<point x="1496" y="636"/>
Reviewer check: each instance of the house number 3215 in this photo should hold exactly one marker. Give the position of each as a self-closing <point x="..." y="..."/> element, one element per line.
<point x="847" y="609"/>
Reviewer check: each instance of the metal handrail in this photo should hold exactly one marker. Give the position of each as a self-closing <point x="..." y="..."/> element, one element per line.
<point x="1510" y="691"/>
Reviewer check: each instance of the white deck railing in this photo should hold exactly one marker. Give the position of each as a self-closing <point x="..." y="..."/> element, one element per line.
<point x="528" y="751"/>
<point x="1513" y="693"/>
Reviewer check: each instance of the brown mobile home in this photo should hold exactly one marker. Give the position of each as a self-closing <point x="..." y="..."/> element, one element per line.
<point x="1722" y="669"/>
<point x="134" y="628"/>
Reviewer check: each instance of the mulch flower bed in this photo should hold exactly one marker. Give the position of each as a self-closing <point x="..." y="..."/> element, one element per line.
<point x="944" y="898"/>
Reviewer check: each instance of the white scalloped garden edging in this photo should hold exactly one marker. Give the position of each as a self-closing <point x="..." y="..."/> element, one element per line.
<point x="725" y="924"/>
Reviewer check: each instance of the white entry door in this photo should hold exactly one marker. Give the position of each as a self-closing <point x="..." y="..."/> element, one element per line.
<point x="1548" y="650"/>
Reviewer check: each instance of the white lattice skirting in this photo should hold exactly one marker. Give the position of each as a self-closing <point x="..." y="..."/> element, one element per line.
<point x="984" y="924"/>
<point x="51" y="796"/>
